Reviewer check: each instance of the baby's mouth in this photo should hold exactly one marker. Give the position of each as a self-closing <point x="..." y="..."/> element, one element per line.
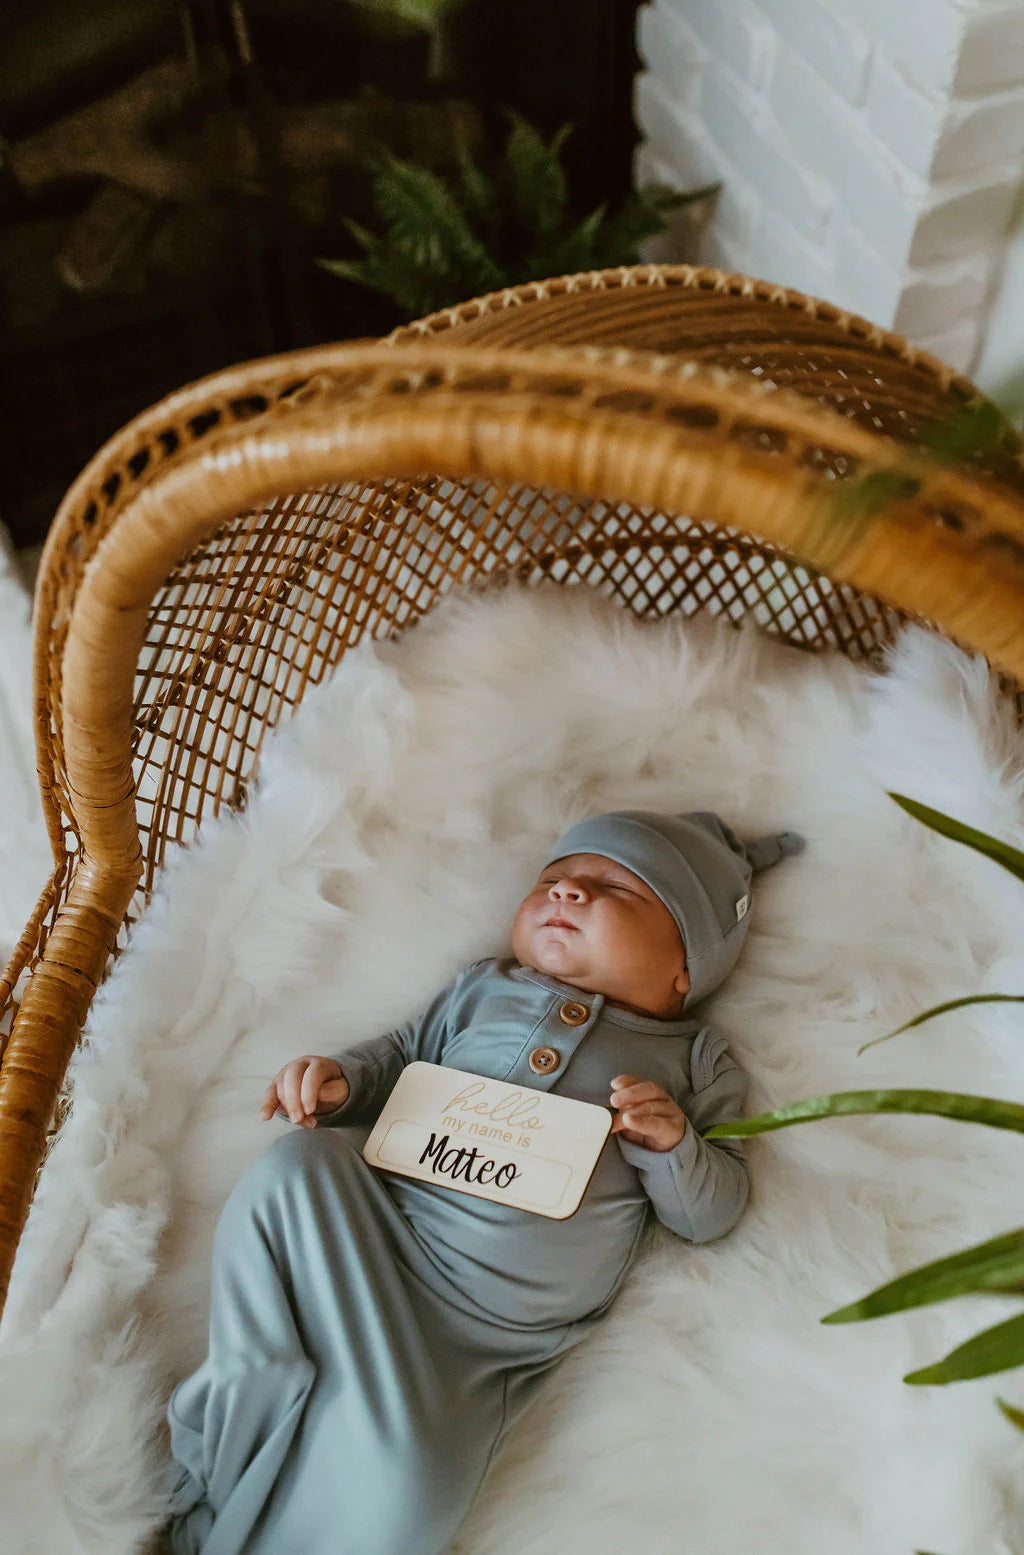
<point x="557" y="923"/>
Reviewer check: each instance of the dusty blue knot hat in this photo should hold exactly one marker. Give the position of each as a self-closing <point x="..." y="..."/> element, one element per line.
<point x="699" y="868"/>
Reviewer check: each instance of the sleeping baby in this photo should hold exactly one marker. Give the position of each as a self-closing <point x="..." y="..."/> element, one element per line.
<point x="373" y="1336"/>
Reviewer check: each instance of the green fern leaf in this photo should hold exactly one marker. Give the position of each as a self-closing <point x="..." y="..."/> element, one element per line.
<point x="477" y="194"/>
<point x="420" y="214"/>
<point x="534" y="177"/>
<point x="573" y="252"/>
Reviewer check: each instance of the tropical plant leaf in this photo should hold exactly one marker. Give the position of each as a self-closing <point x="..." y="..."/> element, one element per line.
<point x="476" y="191"/>
<point x="390" y="269"/>
<point x="995" y="1349"/>
<point x="1015" y="1416"/>
<point x="484" y="230"/>
<point x="1003" y="853"/>
<point x="574" y="251"/>
<point x="946" y="1104"/>
<point x="996" y="1265"/>
<point x="534" y="177"/>
<point x="425" y="220"/>
<point x="940" y="1009"/>
<point x="383" y="276"/>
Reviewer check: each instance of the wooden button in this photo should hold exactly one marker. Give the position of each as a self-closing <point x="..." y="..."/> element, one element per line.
<point x="574" y="1014"/>
<point x="544" y="1059"/>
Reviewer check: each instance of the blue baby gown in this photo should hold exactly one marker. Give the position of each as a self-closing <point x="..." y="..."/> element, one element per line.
<point x="373" y="1338"/>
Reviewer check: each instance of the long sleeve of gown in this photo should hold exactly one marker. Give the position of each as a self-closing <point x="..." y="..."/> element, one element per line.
<point x="372" y="1067"/>
<point x="700" y="1188"/>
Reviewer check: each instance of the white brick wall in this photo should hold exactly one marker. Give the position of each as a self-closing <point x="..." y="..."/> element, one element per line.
<point x="871" y="152"/>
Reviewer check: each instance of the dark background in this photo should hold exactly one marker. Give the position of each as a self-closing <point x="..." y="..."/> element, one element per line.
<point x="187" y="283"/>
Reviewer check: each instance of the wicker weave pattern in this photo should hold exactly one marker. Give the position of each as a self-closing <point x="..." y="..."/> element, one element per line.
<point x="283" y="551"/>
<point x="842" y="361"/>
<point x="225" y="549"/>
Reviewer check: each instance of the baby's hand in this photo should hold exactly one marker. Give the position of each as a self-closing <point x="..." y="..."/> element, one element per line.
<point x="305" y="1087"/>
<point x="658" y="1123"/>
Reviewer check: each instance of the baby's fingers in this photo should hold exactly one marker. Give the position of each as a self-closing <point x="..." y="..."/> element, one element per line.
<point x="269" y="1100"/>
<point x="657" y="1124"/>
<point x="320" y="1069"/>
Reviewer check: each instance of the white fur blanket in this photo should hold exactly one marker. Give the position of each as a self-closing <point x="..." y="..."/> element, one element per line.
<point x="398" y="822"/>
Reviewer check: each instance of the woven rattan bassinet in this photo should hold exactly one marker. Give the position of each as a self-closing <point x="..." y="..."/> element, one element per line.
<point x="672" y="435"/>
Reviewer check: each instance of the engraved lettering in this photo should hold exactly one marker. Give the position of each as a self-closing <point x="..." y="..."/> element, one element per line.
<point x="518" y="1107"/>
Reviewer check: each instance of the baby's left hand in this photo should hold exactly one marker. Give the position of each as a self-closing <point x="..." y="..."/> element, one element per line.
<point x="658" y="1123"/>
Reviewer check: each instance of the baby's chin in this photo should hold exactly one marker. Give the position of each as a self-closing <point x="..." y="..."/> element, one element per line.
<point x="552" y="952"/>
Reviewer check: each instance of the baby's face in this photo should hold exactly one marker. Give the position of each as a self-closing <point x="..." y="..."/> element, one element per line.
<point x="618" y="938"/>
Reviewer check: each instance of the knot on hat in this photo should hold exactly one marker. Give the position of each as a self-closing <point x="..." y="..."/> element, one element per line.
<point x="763" y="852"/>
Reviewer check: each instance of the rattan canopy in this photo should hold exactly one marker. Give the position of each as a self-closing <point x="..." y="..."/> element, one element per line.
<point x="674" y="435"/>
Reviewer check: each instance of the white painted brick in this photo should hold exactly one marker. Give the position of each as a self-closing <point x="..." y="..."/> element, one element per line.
<point x="978" y="134"/>
<point x="650" y="168"/>
<point x="672" y="134"/>
<point x="957" y="347"/>
<point x="732" y="33"/>
<point x="670" y="51"/>
<point x="960" y="223"/>
<point x="680" y="142"/>
<point x="993" y="51"/>
<point x="868" y="285"/>
<point x="739" y="123"/>
<point x="778" y="254"/>
<point x="935" y="303"/>
<point x="716" y="250"/>
<point x="882" y="197"/>
<point x="925" y="34"/>
<point x="838" y="50"/>
<point x="903" y="115"/>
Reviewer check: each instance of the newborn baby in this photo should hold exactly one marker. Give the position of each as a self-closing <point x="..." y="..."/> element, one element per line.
<point x="374" y="1337"/>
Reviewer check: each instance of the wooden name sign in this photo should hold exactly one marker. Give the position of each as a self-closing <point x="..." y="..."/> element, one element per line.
<point x="497" y="1141"/>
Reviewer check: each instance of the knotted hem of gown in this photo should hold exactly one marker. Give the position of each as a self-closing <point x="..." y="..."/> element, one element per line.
<point x="266" y="1423"/>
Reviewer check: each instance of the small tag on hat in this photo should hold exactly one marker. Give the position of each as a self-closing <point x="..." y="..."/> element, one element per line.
<point x="741" y="907"/>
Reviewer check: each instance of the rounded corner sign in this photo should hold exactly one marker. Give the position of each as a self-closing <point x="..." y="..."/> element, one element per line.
<point x="509" y="1143"/>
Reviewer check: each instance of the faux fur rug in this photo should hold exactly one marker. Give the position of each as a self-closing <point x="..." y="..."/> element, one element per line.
<point x="398" y="823"/>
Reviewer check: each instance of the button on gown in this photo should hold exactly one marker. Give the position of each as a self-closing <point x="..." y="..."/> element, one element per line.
<point x="374" y="1338"/>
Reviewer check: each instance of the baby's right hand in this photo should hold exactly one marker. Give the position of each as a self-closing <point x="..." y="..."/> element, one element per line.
<point x="305" y="1087"/>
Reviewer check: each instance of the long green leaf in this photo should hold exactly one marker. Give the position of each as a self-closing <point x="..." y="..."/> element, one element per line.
<point x="1003" y="853"/>
<point x="996" y="1265"/>
<point x="1015" y="1416"/>
<point x="946" y="1104"/>
<point x="996" y="1349"/>
<point x="940" y="1009"/>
